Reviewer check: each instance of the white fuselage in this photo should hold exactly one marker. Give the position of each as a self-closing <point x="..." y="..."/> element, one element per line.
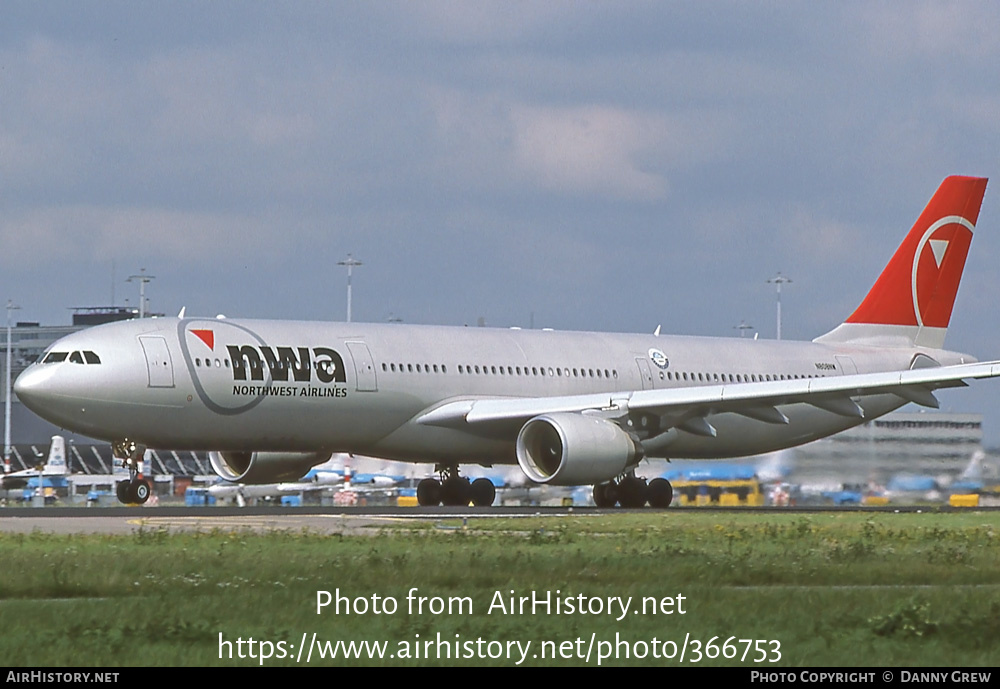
<point x="229" y="385"/>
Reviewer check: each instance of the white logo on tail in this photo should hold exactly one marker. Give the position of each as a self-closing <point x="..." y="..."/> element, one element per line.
<point x="938" y="248"/>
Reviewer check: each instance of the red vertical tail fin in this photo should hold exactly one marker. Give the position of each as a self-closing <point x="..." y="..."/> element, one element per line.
<point x="912" y="300"/>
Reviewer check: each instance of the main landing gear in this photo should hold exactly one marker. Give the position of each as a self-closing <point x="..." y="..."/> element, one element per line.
<point x="136" y="490"/>
<point x="633" y="492"/>
<point x="453" y="490"/>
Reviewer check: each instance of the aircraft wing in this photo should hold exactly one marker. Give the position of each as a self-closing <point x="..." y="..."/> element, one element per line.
<point x="18" y="479"/>
<point x="756" y="400"/>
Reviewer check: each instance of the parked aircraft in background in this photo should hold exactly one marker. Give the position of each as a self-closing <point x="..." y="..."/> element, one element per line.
<point x="376" y="480"/>
<point x="973" y="478"/>
<point x="274" y="398"/>
<point x="335" y="473"/>
<point x="913" y="486"/>
<point x="367" y="480"/>
<point x="320" y="478"/>
<point x="908" y="486"/>
<point x="55" y="465"/>
<point x="773" y="466"/>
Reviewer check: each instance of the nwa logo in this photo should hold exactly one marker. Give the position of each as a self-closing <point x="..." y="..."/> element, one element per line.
<point x="259" y="370"/>
<point x="298" y="362"/>
<point x="249" y="361"/>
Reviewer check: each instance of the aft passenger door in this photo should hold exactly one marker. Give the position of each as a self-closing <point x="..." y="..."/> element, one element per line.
<point x="847" y="366"/>
<point x="644" y="372"/>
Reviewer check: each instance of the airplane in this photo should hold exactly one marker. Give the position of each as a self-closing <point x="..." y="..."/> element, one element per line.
<point x="274" y="398"/>
<point x="914" y="487"/>
<point x="911" y="486"/>
<point x="359" y="485"/>
<point x="316" y="479"/>
<point x="376" y="481"/>
<point x="55" y="465"/>
<point x="372" y="479"/>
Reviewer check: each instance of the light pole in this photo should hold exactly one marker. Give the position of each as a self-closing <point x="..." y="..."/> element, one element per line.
<point x="779" y="280"/>
<point x="350" y="262"/>
<point x="143" y="279"/>
<point x="6" y="409"/>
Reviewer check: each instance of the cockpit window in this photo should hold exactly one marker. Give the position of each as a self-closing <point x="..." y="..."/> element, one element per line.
<point x="76" y="357"/>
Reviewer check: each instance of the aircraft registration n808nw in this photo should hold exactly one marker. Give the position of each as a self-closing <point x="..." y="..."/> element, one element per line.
<point x="270" y="399"/>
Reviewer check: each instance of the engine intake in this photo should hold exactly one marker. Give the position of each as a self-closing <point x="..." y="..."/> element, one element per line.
<point x="264" y="467"/>
<point x="566" y="449"/>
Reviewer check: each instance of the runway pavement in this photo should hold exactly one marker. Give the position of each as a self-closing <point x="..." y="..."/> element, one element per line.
<point x="342" y="520"/>
<point x="123" y="520"/>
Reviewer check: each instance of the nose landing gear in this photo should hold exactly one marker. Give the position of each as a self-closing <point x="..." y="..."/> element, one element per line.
<point x="136" y="490"/>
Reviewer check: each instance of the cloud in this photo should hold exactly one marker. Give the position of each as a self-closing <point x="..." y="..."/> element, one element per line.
<point x="931" y="31"/>
<point x="591" y="149"/>
<point x="486" y="23"/>
<point x="78" y="234"/>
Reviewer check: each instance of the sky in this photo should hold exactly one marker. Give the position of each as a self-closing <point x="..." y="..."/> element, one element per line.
<point x="608" y="166"/>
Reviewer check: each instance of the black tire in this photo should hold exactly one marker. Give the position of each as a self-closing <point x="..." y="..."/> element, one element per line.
<point x="140" y="491"/>
<point x="122" y="492"/>
<point x="605" y="495"/>
<point x="429" y="492"/>
<point x="632" y="492"/>
<point x="660" y="493"/>
<point x="456" y="492"/>
<point x="483" y="492"/>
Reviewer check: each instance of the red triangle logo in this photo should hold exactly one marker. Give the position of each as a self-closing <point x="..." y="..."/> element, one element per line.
<point x="206" y="336"/>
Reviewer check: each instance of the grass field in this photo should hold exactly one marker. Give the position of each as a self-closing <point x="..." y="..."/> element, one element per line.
<point x="758" y="591"/>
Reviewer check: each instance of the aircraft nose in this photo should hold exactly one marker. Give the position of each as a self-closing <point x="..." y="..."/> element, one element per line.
<point x="33" y="387"/>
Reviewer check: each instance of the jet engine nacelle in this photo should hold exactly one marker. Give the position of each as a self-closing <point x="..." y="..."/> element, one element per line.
<point x="264" y="467"/>
<point x="567" y="449"/>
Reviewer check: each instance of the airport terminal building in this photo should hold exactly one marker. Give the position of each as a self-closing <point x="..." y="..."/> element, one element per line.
<point x="902" y="442"/>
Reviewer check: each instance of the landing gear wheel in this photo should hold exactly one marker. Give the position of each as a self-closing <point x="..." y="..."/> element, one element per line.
<point x="135" y="490"/>
<point x="429" y="492"/>
<point x="456" y="492"/>
<point x="660" y="493"/>
<point x="605" y="495"/>
<point x="632" y="492"/>
<point x="483" y="492"/>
